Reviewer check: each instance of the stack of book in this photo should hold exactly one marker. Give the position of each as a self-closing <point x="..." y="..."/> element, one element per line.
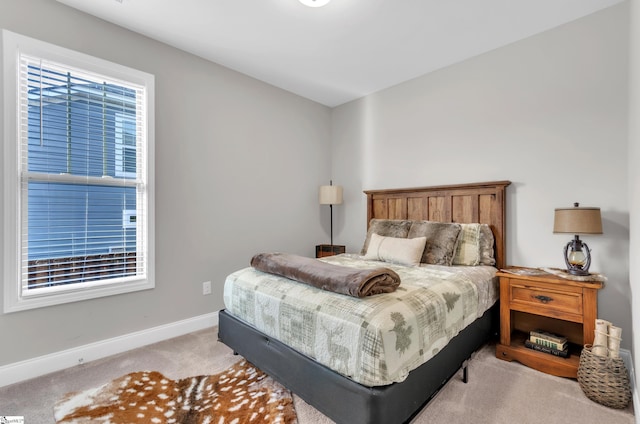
<point x="543" y="341"/>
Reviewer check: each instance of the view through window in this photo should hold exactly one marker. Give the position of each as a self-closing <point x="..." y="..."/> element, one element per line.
<point x="82" y="177"/>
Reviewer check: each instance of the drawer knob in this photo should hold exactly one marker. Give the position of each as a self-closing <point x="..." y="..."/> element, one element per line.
<point x="543" y="299"/>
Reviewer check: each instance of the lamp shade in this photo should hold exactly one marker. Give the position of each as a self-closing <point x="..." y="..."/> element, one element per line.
<point x="330" y="195"/>
<point x="577" y="220"/>
<point x="314" y="3"/>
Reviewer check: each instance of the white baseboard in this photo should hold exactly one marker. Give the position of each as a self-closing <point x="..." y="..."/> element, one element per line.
<point x="628" y="362"/>
<point x="30" y="368"/>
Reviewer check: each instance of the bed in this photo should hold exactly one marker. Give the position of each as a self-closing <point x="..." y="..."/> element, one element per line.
<point x="397" y="393"/>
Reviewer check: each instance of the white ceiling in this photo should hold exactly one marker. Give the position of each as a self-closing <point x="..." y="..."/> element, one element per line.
<point x="342" y="51"/>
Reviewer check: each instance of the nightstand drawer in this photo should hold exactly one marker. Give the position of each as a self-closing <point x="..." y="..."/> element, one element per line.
<point x="541" y="297"/>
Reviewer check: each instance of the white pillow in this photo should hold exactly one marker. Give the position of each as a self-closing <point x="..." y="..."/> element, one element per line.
<point x="399" y="250"/>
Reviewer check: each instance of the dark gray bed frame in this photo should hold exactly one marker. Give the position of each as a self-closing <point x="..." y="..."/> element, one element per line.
<point x="344" y="400"/>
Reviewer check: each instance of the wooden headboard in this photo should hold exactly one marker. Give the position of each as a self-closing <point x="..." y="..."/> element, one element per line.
<point x="463" y="203"/>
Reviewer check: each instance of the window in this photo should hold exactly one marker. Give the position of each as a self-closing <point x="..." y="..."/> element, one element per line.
<point x="78" y="193"/>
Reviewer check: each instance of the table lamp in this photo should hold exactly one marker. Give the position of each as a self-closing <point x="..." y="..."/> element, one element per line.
<point x="577" y="220"/>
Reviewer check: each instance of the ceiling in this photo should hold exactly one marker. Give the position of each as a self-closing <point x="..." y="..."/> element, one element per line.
<point x="344" y="50"/>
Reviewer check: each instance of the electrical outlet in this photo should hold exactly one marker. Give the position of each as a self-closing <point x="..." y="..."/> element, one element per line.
<point x="206" y="287"/>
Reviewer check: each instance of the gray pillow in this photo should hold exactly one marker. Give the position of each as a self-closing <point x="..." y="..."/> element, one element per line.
<point x="486" y="246"/>
<point x="441" y="240"/>
<point x="398" y="228"/>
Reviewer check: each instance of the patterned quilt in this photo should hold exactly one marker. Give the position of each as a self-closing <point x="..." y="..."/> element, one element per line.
<point x="375" y="340"/>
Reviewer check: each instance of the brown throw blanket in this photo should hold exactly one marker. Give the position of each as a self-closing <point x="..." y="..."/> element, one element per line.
<point x="340" y="279"/>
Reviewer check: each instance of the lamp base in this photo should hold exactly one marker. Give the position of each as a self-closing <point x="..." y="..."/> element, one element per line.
<point x="577" y="256"/>
<point x="578" y="271"/>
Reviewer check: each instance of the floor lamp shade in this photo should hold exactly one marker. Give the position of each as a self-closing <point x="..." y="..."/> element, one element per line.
<point x="330" y="195"/>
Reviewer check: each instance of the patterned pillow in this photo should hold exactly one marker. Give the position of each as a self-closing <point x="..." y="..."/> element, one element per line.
<point x="399" y="250"/>
<point x="441" y="240"/>
<point x="486" y="246"/>
<point x="468" y="249"/>
<point x="388" y="228"/>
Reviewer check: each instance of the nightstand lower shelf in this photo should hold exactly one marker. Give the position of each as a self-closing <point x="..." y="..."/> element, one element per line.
<point x="545" y="362"/>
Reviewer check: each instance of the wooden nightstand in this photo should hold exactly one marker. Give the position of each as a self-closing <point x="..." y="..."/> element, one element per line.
<point x="323" y="250"/>
<point x="540" y="300"/>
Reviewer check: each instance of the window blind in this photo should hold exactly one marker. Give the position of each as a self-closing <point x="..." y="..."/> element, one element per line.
<point x="82" y="170"/>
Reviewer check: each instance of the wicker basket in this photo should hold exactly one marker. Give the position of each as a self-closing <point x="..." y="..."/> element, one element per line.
<point x="604" y="380"/>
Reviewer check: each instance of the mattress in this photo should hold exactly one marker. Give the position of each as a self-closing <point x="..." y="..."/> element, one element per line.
<point x="376" y="340"/>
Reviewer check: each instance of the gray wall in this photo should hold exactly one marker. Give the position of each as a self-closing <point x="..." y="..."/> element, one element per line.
<point x="238" y="165"/>
<point x="548" y="113"/>
<point x="634" y="176"/>
<point x="532" y="112"/>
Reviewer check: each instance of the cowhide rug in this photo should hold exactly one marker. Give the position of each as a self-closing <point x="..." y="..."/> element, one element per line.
<point x="240" y="394"/>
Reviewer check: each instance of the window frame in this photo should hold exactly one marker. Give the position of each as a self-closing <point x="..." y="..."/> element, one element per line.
<point x="13" y="46"/>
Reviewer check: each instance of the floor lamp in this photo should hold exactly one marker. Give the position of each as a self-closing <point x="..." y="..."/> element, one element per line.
<point x="331" y="195"/>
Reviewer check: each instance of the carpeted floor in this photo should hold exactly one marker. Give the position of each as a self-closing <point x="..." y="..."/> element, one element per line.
<point x="497" y="392"/>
